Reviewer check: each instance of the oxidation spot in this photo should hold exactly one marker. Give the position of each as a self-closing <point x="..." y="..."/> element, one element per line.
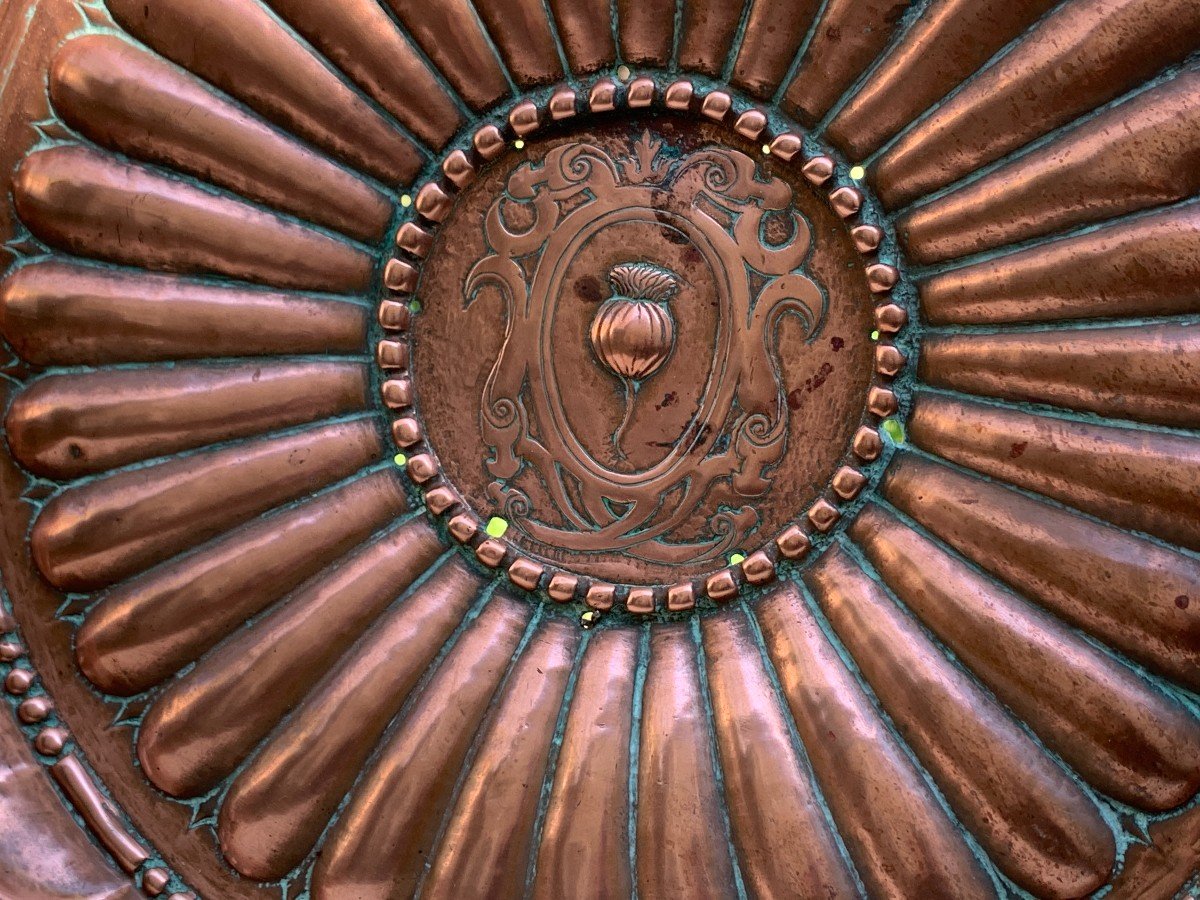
<point x="795" y="398"/>
<point x="836" y="343"/>
<point x="589" y="289"/>
<point x="1017" y="449"/>
<point x="670" y="398"/>
<point x="1182" y="601"/>
<point x="75" y="450"/>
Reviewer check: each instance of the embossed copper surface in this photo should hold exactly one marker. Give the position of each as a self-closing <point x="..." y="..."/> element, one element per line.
<point x="498" y="448"/>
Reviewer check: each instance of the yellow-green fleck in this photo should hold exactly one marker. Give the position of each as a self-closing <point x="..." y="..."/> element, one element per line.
<point x="406" y="201"/>
<point x="415" y="306"/>
<point x="400" y="459"/>
<point x="736" y="559"/>
<point x="874" y="335"/>
<point x="496" y="526"/>
<point x="894" y="430"/>
<point x="858" y="173"/>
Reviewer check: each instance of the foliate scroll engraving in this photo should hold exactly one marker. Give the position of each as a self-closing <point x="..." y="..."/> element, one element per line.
<point x="715" y="200"/>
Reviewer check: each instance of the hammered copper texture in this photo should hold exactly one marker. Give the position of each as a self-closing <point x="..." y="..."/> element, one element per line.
<point x="573" y="448"/>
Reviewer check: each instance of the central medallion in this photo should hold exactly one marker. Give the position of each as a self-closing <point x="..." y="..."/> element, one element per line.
<point x="664" y="353"/>
<point x="707" y="220"/>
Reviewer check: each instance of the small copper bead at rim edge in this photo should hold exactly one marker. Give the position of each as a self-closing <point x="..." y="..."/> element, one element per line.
<point x="793" y="543"/>
<point x="562" y="587"/>
<point x="823" y="515"/>
<point x="463" y="527"/>
<point x="35" y="709"/>
<point x="640" y="601"/>
<point x="601" y="597"/>
<point x="491" y="553"/>
<point x="525" y="573"/>
<point x="721" y="586"/>
<point x="681" y="597"/>
<point x="439" y="499"/>
<point x="50" y="741"/>
<point x="679" y="95"/>
<point x="19" y="681"/>
<point x="867" y="443"/>
<point x="758" y="568"/>
<point x="562" y="104"/>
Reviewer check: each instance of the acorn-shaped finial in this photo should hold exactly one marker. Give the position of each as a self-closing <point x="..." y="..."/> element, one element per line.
<point x="633" y="332"/>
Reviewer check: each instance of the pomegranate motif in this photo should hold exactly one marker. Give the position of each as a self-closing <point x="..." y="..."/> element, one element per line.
<point x="633" y="332"/>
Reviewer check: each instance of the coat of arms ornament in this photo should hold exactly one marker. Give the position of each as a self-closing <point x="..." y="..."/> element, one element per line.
<point x="713" y="200"/>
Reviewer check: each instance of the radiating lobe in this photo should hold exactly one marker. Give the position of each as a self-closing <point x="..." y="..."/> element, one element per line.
<point x="468" y="61"/>
<point x="949" y="41"/>
<point x="525" y="38"/>
<point x="769" y="790"/>
<point x="681" y="842"/>
<point x="1145" y="373"/>
<point x="708" y="29"/>
<point x="1142" y="153"/>
<point x="1137" y="596"/>
<point x="773" y="34"/>
<point x="131" y="100"/>
<point x="65" y="426"/>
<point x="149" y="627"/>
<point x="204" y="725"/>
<point x="1082" y="55"/>
<point x="1034" y="821"/>
<point x="242" y="49"/>
<point x="646" y="30"/>
<point x="1139" y="479"/>
<point x="585" y="29"/>
<point x="382" y="841"/>
<point x="363" y="41"/>
<point x="1147" y="266"/>
<point x="104" y="530"/>
<point x="296" y="783"/>
<point x="1120" y="732"/>
<point x="506" y="775"/>
<point x="845" y="40"/>
<point x="65" y="313"/>
<point x="584" y="847"/>
<point x="902" y="842"/>
<point x="94" y="205"/>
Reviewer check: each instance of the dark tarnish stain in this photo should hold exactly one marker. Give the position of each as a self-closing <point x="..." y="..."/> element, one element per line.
<point x="1182" y="601"/>
<point x="1017" y="449"/>
<point x="589" y="288"/>
<point x="836" y="343"/>
<point x="796" y="397"/>
<point x="669" y="399"/>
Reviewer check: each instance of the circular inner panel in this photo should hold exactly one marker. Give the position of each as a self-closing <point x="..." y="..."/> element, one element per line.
<point x="661" y="347"/>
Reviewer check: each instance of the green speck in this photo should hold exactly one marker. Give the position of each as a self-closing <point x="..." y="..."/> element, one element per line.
<point x="414" y="306"/>
<point x="858" y="173"/>
<point x="496" y="526"/>
<point x="736" y="559"/>
<point x="519" y="144"/>
<point x="874" y="335"/>
<point x="894" y="430"/>
<point x="400" y="459"/>
<point x="406" y="201"/>
<point x="589" y="618"/>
